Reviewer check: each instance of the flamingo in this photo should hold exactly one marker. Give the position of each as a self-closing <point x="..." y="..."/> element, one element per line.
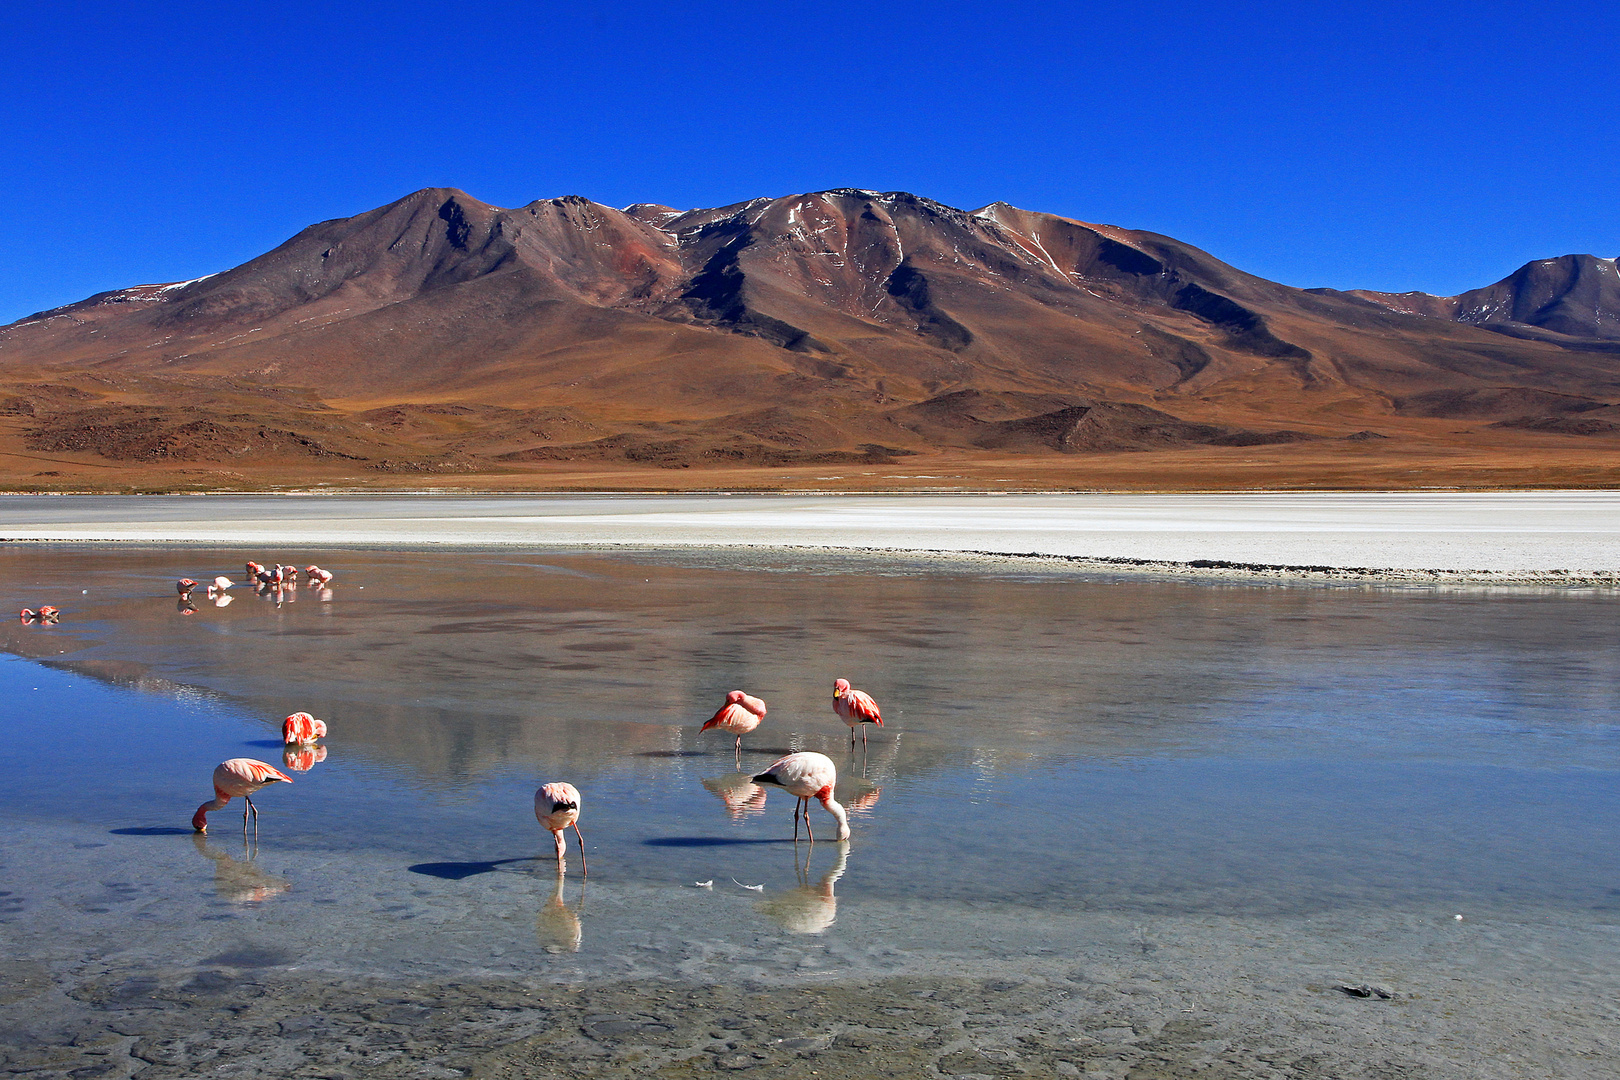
<point x="289" y="575"/>
<point x="856" y="707"/>
<point x="184" y="586"/>
<point x="48" y="614"/>
<point x="238" y="776"/>
<point x="317" y="576"/>
<point x="301" y="728"/>
<point x="739" y="715"/>
<point x="252" y="570"/>
<point x="220" y="584"/>
<point x="809" y="776"/>
<point x="556" y="806"/>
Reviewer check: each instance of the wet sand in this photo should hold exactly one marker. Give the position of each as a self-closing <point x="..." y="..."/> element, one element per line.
<point x="1568" y="537"/>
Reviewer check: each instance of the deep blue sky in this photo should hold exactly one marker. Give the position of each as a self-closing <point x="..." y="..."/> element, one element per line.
<point x="1393" y="146"/>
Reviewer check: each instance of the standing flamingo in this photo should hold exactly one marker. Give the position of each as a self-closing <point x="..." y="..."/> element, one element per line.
<point x="184" y="586"/>
<point x="809" y="776"/>
<point x="301" y="728"/>
<point x="739" y="715"/>
<point x="238" y="776"/>
<point x="317" y="576"/>
<point x="856" y="707"/>
<point x="556" y="806"/>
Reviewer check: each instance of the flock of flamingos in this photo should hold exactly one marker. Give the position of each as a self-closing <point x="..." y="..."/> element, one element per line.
<point x="805" y="775"/>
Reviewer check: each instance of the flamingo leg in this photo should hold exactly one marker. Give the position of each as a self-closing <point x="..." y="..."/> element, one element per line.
<point x="739" y="750"/>
<point x="583" y="865"/>
<point x="807" y="827"/>
<point x="852" y="736"/>
<point x="796" y="806"/>
<point x="863" y="737"/>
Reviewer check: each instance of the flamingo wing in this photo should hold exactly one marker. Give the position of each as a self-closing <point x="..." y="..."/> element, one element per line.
<point x="864" y="709"/>
<point x="728" y="715"/>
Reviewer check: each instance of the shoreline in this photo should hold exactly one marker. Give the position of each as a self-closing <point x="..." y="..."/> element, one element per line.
<point x="1197" y="570"/>
<point x="1540" y="539"/>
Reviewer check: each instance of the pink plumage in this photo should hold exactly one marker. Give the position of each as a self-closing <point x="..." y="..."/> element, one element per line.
<point x="301" y="727"/>
<point x="808" y="776"/>
<point x="855" y="707"/>
<point x="739" y="715"/>
<point x="556" y="807"/>
<point x="238" y="777"/>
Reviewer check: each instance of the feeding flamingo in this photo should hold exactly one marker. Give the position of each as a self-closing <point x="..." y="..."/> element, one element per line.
<point x="238" y="777"/>
<point x="317" y="576"/>
<point x="739" y="715"/>
<point x="302" y="728"/>
<point x="252" y="570"/>
<point x="809" y="776"/>
<point x="184" y="586"/>
<point x="856" y="707"/>
<point x="556" y="806"/>
<point x="220" y="584"/>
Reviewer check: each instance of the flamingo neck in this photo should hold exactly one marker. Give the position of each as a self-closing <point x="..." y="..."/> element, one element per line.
<point x="836" y="809"/>
<point x="199" y="820"/>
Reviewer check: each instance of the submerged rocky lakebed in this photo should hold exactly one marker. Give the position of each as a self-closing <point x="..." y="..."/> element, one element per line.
<point x="1113" y="825"/>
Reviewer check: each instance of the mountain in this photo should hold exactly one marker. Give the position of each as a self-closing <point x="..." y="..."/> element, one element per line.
<point x="442" y="334"/>
<point x="1576" y="296"/>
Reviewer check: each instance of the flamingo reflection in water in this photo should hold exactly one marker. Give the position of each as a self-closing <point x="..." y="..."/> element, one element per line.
<point x="302" y="758"/>
<point x="741" y="795"/>
<point x="239" y="881"/>
<point x="557" y="926"/>
<point x="809" y="908"/>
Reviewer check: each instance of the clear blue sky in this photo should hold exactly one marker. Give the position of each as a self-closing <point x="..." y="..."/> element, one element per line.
<point x="1431" y="146"/>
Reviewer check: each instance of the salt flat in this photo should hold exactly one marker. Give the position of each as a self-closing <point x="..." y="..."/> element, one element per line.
<point x="1522" y="533"/>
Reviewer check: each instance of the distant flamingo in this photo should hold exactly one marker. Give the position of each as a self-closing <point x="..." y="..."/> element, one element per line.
<point x="48" y="614"/>
<point x="300" y="728"/>
<point x="739" y="715"/>
<point x="184" y="586"/>
<point x="252" y="570"/>
<point x="317" y="576"/>
<point x="220" y="584"/>
<point x="809" y="776"/>
<point x="856" y="707"/>
<point x="238" y="777"/>
<point x="556" y="806"/>
<point x="289" y="575"/>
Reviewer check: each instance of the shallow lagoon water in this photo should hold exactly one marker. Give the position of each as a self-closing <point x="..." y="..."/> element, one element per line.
<point x="1114" y="772"/>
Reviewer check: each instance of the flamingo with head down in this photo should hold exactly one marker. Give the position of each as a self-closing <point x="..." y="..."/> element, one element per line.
<point x="556" y="807"/>
<point x="238" y="777"/>
<point x="809" y="776"/>
<point x="301" y="728"/>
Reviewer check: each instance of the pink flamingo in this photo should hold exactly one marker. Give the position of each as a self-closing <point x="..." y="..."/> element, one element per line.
<point x="809" y="776"/>
<point x="556" y="806"/>
<point x="184" y="586"/>
<point x="48" y="614"/>
<point x="739" y="715"/>
<point x="220" y="584"/>
<point x="317" y="576"/>
<point x="238" y="776"/>
<point x="252" y="570"/>
<point x="856" y="707"/>
<point x="301" y="728"/>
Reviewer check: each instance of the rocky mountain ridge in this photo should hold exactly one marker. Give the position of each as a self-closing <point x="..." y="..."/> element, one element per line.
<point x="442" y="332"/>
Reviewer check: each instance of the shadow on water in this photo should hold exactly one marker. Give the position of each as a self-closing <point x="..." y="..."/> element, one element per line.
<point x="712" y="841"/>
<point x="273" y="744"/>
<point x="153" y="830"/>
<point x="456" y="871"/>
<point x="672" y="753"/>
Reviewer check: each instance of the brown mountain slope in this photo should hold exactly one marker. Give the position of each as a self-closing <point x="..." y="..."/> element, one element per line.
<point x="439" y="333"/>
